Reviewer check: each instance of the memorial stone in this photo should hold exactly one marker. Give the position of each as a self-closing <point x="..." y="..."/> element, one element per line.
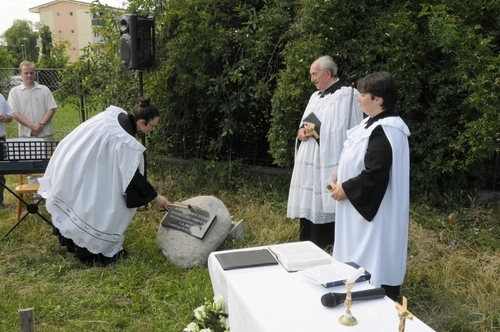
<point x="183" y="248"/>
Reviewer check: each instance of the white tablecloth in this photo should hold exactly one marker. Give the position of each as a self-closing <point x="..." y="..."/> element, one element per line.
<point x="270" y="299"/>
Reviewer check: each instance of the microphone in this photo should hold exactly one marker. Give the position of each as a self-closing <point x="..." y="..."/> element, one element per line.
<point x="334" y="299"/>
<point x="353" y="79"/>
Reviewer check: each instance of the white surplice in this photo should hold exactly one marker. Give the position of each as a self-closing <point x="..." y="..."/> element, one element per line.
<point x="315" y="163"/>
<point x="85" y="182"/>
<point x="380" y="246"/>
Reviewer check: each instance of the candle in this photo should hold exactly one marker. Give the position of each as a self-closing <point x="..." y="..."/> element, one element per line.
<point x="352" y="279"/>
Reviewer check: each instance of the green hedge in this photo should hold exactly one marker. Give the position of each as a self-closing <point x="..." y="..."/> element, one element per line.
<point x="232" y="77"/>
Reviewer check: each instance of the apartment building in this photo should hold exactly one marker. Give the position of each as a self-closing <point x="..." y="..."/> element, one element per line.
<point x="70" y="20"/>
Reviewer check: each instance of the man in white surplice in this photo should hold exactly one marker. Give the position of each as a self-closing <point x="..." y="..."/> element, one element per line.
<point x="331" y="111"/>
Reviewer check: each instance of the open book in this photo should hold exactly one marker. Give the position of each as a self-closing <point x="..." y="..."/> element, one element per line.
<point x="334" y="274"/>
<point x="297" y="256"/>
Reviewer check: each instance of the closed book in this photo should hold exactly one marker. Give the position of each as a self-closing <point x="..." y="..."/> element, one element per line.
<point x="245" y="259"/>
<point x="333" y="274"/>
<point x="364" y="277"/>
<point x="312" y="118"/>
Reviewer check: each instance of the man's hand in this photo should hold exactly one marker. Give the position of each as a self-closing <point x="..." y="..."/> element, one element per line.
<point x="5" y="118"/>
<point x="36" y="128"/>
<point x="338" y="192"/>
<point x="334" y="177"/>
<point x="303" y="134"/>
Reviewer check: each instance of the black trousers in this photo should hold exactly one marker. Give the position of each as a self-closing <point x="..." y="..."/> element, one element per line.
<point x="322" y="235"/>
<point x="392" y="292"/>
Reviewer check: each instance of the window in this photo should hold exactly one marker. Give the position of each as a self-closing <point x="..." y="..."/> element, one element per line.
<point x="58" y="14"/>
<point x="74" y="49"/>
<point x="73" y="32"/>
<point x="59" y="32"/>
<point x="70" y="13"/>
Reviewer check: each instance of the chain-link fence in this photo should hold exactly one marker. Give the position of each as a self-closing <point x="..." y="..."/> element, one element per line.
<point x="67" y="117"/>
<point x="71" y="113"/>
<point x="10" y="77"/>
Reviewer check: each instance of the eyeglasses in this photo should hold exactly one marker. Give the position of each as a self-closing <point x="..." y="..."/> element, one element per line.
<point x="149" y="124"/>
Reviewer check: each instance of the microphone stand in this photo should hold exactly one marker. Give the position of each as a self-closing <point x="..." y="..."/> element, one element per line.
<point x="142" y="135"/>
<point x="353" y="80"/>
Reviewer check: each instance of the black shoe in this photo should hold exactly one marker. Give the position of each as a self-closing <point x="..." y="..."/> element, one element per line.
<point x="123" y="254"/>
<point x="102" y="260"/>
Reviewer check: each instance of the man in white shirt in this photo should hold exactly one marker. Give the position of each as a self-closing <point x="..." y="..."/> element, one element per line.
<point x="5" y="117"/>
<point x="33" y="105"/>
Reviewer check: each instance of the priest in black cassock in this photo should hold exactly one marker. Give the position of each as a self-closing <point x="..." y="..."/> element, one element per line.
<point x="372" y="188"/>
<point x="95" y="181"/>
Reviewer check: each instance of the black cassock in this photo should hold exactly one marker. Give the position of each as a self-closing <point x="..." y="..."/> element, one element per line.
<point x="139" y="191"/>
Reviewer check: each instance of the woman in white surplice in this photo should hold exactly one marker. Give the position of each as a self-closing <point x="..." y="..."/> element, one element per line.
<point x="373" y="188"/>
<point x="94" y="182"/>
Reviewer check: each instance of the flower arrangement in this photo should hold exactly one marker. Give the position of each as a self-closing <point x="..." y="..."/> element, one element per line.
<point x="210" y="317"/>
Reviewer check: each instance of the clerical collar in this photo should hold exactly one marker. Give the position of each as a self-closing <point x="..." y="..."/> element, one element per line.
<point x="331" y="89"/>
<point x="382" y="115"/>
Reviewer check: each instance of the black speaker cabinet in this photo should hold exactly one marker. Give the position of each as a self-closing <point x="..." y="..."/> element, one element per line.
<point x="137" y="41"/>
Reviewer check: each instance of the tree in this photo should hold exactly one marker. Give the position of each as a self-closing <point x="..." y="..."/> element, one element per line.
<point x="222" y="60"/>
<point x="52" y="56"/>
<point x="97" y="78"/>
<point x="22" y="41"/>
<point x="6" y="61"/>
<point x="458" y="129"/>
<point x="231" y="77"/>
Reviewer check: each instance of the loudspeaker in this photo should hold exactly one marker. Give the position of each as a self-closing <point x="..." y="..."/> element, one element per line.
<point x="137" y="46"/>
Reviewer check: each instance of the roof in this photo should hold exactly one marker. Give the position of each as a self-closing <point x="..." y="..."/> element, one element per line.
<point x="37" y="8"/>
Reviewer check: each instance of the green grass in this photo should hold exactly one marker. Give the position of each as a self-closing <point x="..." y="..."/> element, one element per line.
<point x="142" y="293"/>
<point x="452" y="281"/>
<point x="452" y="286"/>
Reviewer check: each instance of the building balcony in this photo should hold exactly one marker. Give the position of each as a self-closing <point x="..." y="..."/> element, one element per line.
<point x="98" y="22"/>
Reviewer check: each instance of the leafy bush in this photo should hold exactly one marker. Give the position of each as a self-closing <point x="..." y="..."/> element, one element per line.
<point x="231" y="77"/>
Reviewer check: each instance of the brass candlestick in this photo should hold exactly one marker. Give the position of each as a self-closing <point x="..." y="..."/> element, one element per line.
<point x="347" y="318"/>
